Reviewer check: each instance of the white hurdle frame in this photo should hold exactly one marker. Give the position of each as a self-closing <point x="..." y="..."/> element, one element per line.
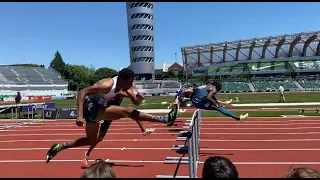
<point x="192" y="146"/>
<point x="14" y="114"/>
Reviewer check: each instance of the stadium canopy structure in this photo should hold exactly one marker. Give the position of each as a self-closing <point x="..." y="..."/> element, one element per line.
<point x="288" y="47"/>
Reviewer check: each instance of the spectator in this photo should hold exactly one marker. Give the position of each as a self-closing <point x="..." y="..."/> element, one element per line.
<point x="18" y="98"/>
<point x="302" y="173"/>
<point x="281" y="92"/>
<point x="100" y="169"/>
<point x="219" y="167"/>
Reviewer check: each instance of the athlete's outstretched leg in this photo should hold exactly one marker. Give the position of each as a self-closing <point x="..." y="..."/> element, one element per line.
<point x="92" y="129"/>
<point x="223" y="111"/>
<point x="227" y="113"/>
<point x="118" y="112"/>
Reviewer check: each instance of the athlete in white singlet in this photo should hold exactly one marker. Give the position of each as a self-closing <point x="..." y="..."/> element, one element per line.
<point x="92" y="109"/>
<point x="106" y="124"/>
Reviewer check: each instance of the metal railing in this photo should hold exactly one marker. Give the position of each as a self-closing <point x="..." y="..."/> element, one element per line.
<point x="192" y="136"/>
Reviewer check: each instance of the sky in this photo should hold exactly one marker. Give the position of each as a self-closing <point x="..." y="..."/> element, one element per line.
<point x="95" y="34"/>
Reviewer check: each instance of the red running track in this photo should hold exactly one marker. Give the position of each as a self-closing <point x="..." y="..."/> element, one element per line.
<point x="263" y="147"/>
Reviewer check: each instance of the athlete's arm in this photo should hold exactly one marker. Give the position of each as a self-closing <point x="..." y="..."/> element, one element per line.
<point x="188" y="91"/>
<point x="135" y="99"/>
<point x="102" y="86"/>
<point x="211" y="95"/>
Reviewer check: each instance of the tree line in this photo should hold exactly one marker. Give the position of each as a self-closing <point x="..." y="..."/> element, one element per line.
<point x="79" y="76"/>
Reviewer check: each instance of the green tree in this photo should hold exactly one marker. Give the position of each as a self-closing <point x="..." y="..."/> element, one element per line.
<point x="80" y="75"/>
<point x="169" y="75"/>
<point x="104" y="72"/>
<point x="57" y="63"/>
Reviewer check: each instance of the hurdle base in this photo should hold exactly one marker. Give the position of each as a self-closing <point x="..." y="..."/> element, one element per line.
<point x="179" y="147"/>
<point x="169" y="176"/>
<point x="176" y="162"/>
<point x="182" y="132"/>
<point x="181" y="139"/>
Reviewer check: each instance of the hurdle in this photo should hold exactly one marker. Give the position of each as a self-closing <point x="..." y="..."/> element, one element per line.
<point x="302" y="111"/>
<point x="14" y="114"/>
<point x="192" y="137"/>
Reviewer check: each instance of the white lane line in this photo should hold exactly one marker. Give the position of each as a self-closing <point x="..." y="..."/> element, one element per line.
<point x="123" y="129"/>
<point x="166" y="140"/>
<point x="146" y="148"/>
<point x="173" y="133"/>
<point x="161" y="161"/>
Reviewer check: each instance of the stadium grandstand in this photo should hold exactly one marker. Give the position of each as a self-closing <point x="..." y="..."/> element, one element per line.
<point x="31" y="81"/>
<point x="258" y="64"/>
<point x="158" y="87"/>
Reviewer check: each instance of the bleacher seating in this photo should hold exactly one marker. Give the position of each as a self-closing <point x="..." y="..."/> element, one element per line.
<point x="235" y="86"/>
<point x="264" y="85"/>
<point x="18" y="78"/>
<point x="147" y="86"/>
<point x="310" y="84"/>
<point x="170" y="84"/>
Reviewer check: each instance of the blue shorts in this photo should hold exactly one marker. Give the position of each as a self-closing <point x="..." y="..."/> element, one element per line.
<point x="206" y="106"/>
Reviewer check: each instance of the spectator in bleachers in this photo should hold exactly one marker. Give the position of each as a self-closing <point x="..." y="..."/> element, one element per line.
<point x="302" y="172"/>
<point x="219" y="167"/>
<point x="100" y="169"/>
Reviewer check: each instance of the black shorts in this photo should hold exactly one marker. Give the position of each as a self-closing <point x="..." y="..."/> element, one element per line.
<point x="90" y="114"/>
<point x="91" y="109"/>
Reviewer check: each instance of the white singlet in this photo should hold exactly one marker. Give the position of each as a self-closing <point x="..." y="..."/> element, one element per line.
<point x="105" y="98"/>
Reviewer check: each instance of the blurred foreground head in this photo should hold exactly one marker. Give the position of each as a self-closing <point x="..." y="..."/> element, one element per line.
<point x="100" y="169"/>
<point x="303" y="172"/>
<point x="219" y="167"/>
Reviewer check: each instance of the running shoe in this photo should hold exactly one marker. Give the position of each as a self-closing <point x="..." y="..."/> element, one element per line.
<point x="243" y="117"/>
<point x="53" y="152"/>
<point x="85" y="159"/>
<point x="148" y="131"/>
<point x="172" y="116"/>
<point x="229" y="102"/>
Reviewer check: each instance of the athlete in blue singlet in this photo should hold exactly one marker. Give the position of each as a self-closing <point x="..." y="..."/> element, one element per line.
<point x="204" y="98"/>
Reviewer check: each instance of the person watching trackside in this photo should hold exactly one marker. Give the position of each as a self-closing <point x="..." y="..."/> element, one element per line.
<point x="281" y="93"/>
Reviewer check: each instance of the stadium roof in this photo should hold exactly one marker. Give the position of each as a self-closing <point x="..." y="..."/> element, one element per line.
<point x="287" y="45"/>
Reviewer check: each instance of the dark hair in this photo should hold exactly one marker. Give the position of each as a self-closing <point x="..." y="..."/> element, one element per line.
<point x="217" y="84"/>
<point x="219" y="167"/>
<point x="100" y="169"/>
<point x="126" y="73"/>
<point x="194" y="85"/>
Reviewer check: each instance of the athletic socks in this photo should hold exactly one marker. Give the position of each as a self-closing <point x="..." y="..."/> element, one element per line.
<point x="66" y="145"/>
<point x="163" y="119"/>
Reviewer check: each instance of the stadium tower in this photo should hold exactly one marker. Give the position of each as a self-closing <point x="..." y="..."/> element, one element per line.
<point x="141" y="44"/>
